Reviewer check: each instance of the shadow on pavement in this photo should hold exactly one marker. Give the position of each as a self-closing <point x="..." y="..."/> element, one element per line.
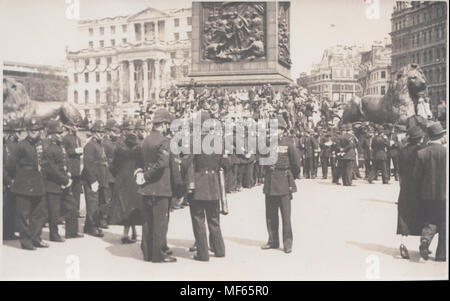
<point x="394" y="252"/>
<point x="121" y="250"/>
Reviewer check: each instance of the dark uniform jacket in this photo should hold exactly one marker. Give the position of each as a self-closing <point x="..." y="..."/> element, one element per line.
<point x="347" y="147"/>
<point x="395" y="147"/>
<point x="430" y="170"/>
<point x="279" y="178"/>
<point x="71" y="142"/>
<point x="109" y="146"/>
<point x="9" y="171"/>
<point x="206" y="176"/>
<point x="94" y="163"/>
<point x="27" y="158"/>
<point x="307" y="146"/>
<point x="366" y="146"/>
<point x="155" y="161"/>
<point x="55" y="166"/>
<point x="379" y="145"/>
<point x="325" y="149"/>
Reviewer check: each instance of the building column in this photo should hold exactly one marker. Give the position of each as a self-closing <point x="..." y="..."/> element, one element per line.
<point x="145" y="70"/>
<point x="156" y="32"/>
<point x="157" y="79"/>
<point x="131" y="79"/>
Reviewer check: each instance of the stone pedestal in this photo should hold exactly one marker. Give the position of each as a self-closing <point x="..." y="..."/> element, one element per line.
<point x="228" y="68"/>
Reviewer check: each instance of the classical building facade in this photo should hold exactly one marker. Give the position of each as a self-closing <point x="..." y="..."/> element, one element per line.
<point x="419" y="35"/>
<point x="335" y="77"/>
<point x="129" y="60"/>
<point x="375" y="69"/>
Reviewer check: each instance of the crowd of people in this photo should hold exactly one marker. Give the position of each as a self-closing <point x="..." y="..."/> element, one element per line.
<point x="130" y="177"/>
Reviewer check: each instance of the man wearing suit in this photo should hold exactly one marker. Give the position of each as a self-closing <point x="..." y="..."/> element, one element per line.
<point x="366" y="146"/>
<point x="307" y="147"/>
<point x="72" y="145"/>
<point x="155" y="181"/>
<point x="93" y="178"/>
<point x="379" y="145"/>
<point x="57" y="184"/>
<point x="29" y="188"/>
<point x="204" y="200"/>
<point x="279" y="184"/>
<point x="325" y="154"/>
<point x="430" y="172"/>
<point x="347" y="151"/>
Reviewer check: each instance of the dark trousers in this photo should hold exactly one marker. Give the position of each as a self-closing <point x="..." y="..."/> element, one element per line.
<point x="315" y="166"/>
<point x="347" y="172"/>
<point x="325" y="162"/>
<point x="92" y="207"/>
<point x="333" y="164"/>
<point x="76" y="191"/>
<point x="105" y="204"/>
<point x="379" y="165"/>
<point x="435" y="222"/>
<point x="308" y="165"/>
<point x="339" y="169"/>
<point x="273" y="203"/>
<point x="394" y="165"/>
<point x="31" y="214"/>
<point x="9" y="214"/>
<point x="211" y="209"/>
<point x="64" y="202"/>
<point x="367" y="167"/>
<point x="154" y="214"/>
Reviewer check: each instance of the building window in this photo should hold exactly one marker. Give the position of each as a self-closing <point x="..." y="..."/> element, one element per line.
<point x="102" y="31"/>
<point x="91" y="44"/>
<point x="97" y="97"/>
<point x="86" y="77"/>
<point x="91" y="32"/>
<point x="443" y="74"/>
<point x="86" y="62"/>
<point x="97" y="77"/>
<point x="113" y="29"/>
<point x="186" y="53"/>
<point x="189" y="20"/>
<point x="109" y="60"/>
<point x="97" y="61"/>
<point x="383" y="90"/>
<point x="173" y="55"/>
<point x="124" y="40"/>
<point x="113" y="42"/>
<point x="102" y="43"/>
<point x="383" y="74"/>
<point x="108" y="76"/>
<point x="86" y="96"/>
<point x="173" y="72"/>
<point x="176" y="36"/>
<point x="176" y="22"/>
<point x="430" y="55"/>
<point x="189" y="35"/>
<point x="75" y="96"/>
<point x="124" y="28"/>
<point x="75" y="78"/>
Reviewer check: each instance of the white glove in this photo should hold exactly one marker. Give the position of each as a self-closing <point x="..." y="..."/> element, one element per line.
<point x="94" y="186"/>
<point x="68" y="184"/>
<point x="79" y="150"/>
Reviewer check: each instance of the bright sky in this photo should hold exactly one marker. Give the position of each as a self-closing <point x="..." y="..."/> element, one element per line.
<point x="38" y="31"/>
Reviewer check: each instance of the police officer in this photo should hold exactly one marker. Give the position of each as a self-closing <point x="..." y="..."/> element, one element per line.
<point x="93" y="178"/>
<point x="154" y="178"/>
<point x="57" y="184"/>
<point x="109" y="143"/>
<point x="10" y="142"/>
<point x="278" y="187"/>
<point x="29" y="187"/>
<point x="379" y="145"/>
<point x="325" y="153"/>
<point x="347" y="150"/>
<point x="72" y="145"/>
<point x="205" y="201"/>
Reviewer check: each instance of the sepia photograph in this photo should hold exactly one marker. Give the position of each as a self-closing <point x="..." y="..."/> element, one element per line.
<point x="149" y="140"/>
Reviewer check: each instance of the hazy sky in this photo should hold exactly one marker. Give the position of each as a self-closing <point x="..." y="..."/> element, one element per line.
<point x="38" y="31"/>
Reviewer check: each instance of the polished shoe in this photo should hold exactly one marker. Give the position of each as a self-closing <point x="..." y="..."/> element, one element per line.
<point x="269" y="246"/>
<point x="57" y="239"/>
<point x="287" y="250"/>
<point x="193" y="249"/>
<point x="78" y="235"/>
<point x="41" y="244"/>
<point x="168" y="252"/>
<point x="195" y="257"/>
<point x="404" y="252"/>
<point x="169" y="259"/>
<point x="126" y="240"/>
<point x="423" y="249"/>
<point x="96" y="233"/>
<point x="31" y="248"/>
<point x="134" y="237"/>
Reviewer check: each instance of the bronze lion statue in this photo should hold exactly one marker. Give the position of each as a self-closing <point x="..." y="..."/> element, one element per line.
<point x="18" y="106"/>
<point x="396" y="106"/>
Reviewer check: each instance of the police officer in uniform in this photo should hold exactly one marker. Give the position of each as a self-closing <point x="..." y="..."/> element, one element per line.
<point x="93" y="178"/>
<point x="279" y="184"/>
<point x="29" y="188"/>
<point x="154" y="178"/>
<point x="379" y="145"/>
<point x="58" y="184"/>
<point x="205" y="201"/>
<point x="10" y="142"/>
